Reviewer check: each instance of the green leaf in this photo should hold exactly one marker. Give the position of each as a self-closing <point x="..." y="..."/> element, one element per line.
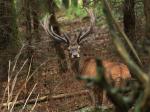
<point x="74" y="3"/>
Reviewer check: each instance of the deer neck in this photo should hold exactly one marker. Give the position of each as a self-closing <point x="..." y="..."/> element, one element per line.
<point x="75" y="65"/>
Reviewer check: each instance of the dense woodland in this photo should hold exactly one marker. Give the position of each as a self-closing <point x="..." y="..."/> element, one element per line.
<point x="74" y="55"/>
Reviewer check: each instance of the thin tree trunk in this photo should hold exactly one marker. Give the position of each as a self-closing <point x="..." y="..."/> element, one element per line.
<point x="129" y="23"/>
<point x="8" y="35"/>
<point x="146" y="41"/>
<point x="147" y="15"/>
<point x="62" y="59"/>
<point x="129" y="19"/>
<point x="29" y="39"/>
<point x="35" y="10"/>
<point x="28" y="29"/>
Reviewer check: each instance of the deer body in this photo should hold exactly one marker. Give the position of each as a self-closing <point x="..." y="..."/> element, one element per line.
<point x="114" y="70"/>
<point x="115" y="73"/>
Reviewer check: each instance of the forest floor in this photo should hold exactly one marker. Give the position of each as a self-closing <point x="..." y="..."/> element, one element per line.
<point x="61" y="92"/>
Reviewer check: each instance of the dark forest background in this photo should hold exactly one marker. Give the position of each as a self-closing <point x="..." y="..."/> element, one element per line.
<point x="35" y="70"/>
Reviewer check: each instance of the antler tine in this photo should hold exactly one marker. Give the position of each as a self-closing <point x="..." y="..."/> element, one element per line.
<point x="50" y="31"/>
<point x="67" y="38"/>
<point x="78" y="38"/>
<point x="64" y="39"/>
<point x="92" y="23"/>
<point x="45" y="25"/>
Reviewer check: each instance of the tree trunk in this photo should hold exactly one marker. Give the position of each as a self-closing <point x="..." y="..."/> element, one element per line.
<point x="8" y="35"/>
<point x="146" y="42"/>
<point x="29" y="39"/>
<point x="28" y="29"/>
<point x="129" y="24"/>
<point x="147" y="28"/>
<point x="62" y="59"/>
<point x="147" y="15"/>
<point x="35" y="17"/>
<point x="129" y="19"/>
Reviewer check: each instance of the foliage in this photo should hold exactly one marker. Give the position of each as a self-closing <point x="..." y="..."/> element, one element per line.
<point x="140" y="94"/>
<point x="65" y="3"/>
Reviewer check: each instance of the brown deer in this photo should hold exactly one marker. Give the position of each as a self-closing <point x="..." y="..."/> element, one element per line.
<point x="115" y="73"/>
<point x="114" y="70"/>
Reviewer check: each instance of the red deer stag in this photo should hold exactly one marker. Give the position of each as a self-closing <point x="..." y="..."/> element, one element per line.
<point x="114" y="70"/>
<point x="115" y="73"/>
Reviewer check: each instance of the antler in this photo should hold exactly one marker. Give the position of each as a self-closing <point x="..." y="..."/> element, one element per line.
<point x="50" y="31"/>
<point x="81" y="35"/>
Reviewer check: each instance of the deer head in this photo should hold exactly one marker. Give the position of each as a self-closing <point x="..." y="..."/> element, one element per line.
<point x="73" y="46"/>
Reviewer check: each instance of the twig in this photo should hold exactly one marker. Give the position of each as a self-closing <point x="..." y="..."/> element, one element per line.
<point x="45" y="98"/>
<point x="34" y="103"/>
<point x="28" y="98"/>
